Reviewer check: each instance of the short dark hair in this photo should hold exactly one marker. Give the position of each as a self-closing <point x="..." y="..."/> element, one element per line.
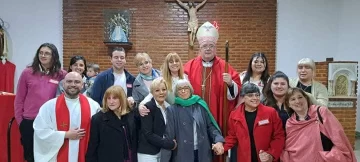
<point x="76" y="58"/>
<point x="120" y="49"/>
<point x="249" y="88"/>
<point x="55" y="61"/>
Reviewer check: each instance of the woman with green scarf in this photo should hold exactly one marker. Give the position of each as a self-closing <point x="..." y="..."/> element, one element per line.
<point x="191" y="124"/>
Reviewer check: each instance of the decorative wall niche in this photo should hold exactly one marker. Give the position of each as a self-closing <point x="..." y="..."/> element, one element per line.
<point x="342" y="79"/>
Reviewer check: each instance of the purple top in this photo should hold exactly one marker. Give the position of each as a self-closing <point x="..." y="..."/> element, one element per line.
<point x="33" y="90"/>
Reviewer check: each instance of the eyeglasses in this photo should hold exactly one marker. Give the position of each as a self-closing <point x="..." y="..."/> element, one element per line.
<point x="252" y="95"/>
<point x="143" y="63"/>
<point x="206" y="47"/>
<point x="45" y="54"/>
<point x="183" y="88"/>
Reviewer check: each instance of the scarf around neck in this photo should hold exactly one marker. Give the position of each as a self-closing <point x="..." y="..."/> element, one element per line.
<point x="154" y="75"/>
<point x="196" y="99"/>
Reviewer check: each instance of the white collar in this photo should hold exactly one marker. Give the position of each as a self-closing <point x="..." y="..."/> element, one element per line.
<point x="160" y="106"/>
<point x="207" y="64"/>
<point x="42" y="70"/>
<point x="71" y="99"/>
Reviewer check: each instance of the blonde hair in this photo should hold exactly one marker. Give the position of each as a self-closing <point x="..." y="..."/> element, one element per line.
<point x="142" y="56"/>
<point x="165" y="70"/>
<point x="156" y="83"/>
<point x="116" y="92"/>
<point x="309" y="62"/>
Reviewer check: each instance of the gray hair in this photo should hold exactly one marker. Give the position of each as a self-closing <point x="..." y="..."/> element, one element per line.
<point x="249" y="88"/>
<point x="182" y="83"/>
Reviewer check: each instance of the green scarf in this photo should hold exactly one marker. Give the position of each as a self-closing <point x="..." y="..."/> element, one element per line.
<point x="196" y="99"/>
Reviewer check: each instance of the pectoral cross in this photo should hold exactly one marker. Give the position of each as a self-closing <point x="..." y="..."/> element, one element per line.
<point x="202" y="90"/>
<point x="63" y="125"/>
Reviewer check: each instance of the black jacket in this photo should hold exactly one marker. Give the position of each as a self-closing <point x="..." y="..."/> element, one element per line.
<point x="107" y="142"/>
<point x="152" y="130"/>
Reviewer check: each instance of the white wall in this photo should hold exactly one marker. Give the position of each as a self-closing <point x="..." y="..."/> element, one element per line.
<point x="28" y="25"/>
<point x="349" y="35"/>
<point x="317" y="29"/>
<point x="306" y="28"/>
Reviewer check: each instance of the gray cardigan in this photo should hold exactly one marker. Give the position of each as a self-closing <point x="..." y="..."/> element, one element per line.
<point x="180" y="127"/>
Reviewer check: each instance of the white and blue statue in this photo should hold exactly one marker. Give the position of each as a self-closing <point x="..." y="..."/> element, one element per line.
<point x="118" y="35"/>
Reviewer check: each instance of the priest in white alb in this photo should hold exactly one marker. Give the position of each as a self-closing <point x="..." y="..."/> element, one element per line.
<point x="62" y="127"/>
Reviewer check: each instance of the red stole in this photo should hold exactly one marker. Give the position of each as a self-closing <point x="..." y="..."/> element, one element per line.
<point x="63" y="124"/>
<point x="215" y="90"/>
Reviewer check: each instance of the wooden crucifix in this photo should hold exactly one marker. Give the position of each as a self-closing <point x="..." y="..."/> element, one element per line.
<point x="193" y="20"/>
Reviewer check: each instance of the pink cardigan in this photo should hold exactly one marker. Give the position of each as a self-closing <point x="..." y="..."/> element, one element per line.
<point x="303" y="142"/>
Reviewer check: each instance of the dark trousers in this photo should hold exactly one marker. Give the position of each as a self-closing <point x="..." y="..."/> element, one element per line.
<point x="233" y="155"/>
<point x="27" y="139"/>
<point x="196" y="156"/>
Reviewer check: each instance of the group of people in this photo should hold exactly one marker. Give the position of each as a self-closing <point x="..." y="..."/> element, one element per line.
<point x="175" y="113"/>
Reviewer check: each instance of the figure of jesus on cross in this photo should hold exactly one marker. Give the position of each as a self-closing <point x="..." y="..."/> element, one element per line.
<point x="193" y="21"/>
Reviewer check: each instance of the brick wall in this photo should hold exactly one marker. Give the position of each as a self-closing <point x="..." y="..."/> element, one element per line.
<point x="321" y="73"/>
<point x="160" y="27"/>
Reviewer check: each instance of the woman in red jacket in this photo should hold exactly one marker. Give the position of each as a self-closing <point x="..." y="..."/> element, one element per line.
<point x="256" y="128"/>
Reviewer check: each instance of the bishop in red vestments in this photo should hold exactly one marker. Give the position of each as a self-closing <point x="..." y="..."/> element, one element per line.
<point x="207" y="75"/>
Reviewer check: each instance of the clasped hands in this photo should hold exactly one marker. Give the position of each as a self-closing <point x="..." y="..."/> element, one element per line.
<point x="265" y="157"/>
<point x="218" y="148"/>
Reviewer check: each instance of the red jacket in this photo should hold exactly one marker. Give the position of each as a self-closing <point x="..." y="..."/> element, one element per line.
<point x="268" y="133"/>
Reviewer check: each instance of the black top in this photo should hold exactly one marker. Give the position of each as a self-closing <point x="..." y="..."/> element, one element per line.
<point x="112" y="139"/>
<point x="250" y="120"/>
<point x="283" y="114"/>
<point x="152" y="130"/>
<point x="307" y="117"/>
<point x="304" y="87"/>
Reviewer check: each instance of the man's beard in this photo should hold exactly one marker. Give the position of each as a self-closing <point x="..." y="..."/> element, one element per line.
<point x="72" y="94"/>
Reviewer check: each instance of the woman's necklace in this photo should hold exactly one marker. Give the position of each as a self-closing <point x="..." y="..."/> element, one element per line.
<point x="304" y="87"/>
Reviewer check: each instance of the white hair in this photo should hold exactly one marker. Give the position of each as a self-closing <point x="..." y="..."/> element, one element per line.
<point x="182" y="83"/>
